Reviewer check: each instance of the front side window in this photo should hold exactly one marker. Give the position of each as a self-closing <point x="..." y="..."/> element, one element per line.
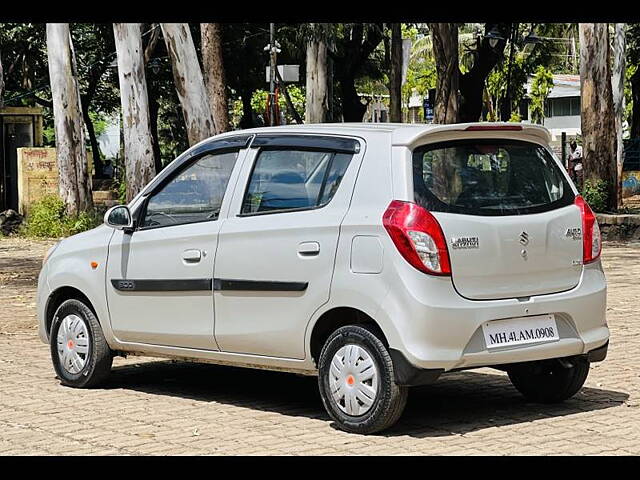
<point x="488" y="177"/>
<point x="194" y="195"/>
<point x="291" y="179"/>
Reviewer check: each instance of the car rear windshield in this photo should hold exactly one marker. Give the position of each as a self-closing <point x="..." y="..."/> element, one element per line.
<point x="488" y="177"/>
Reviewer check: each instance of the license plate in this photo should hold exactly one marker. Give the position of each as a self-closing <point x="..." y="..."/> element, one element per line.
<point x="520" y="331"/>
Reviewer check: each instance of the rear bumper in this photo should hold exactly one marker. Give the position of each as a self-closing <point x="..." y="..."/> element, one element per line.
<point x="437" y="329"/>
<point x="409" y="375"/>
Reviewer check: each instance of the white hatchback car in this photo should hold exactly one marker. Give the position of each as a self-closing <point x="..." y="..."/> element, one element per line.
<point x="376" y="256"/>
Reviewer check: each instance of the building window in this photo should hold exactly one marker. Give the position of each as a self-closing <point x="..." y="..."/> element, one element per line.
<point x="563" y="107"/>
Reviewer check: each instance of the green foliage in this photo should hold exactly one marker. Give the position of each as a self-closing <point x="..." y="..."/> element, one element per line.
<point x="515" y="117"/>
<point x="596" y="194"/>
<point x="48" y="219"/>
<point x="259" y="104"/>
<point x="540" y="88"/>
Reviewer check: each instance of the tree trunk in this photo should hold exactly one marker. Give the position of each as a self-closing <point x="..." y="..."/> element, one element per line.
<point x="598" y="120"/>
<point x="75" y="181"/>
<point x="246" y="121"/>
<point x="93" y="141"/>
<point x="138" y="150"/>
<point x="353" y="109"/>
<point x="154" y="108"/>
<point x="395" y="75"/>
<point x="214" y="80"/>
<point x="1" y="83"/>
<point x="635" y="112"/>
<point x="617" y="84"/>
<point x="189" y="82"/>
<point x="317" y="100"/>
<point x="445" y="50"/>
<point x="473" y="82"/>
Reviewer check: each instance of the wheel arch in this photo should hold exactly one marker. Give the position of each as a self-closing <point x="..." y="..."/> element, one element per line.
<point x="60" y="295"/>
<point x="337" y="317"/>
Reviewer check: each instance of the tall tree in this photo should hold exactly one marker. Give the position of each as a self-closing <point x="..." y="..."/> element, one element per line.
<point x="317" y="86"/>
<point x="352" y="57"/>
<point x="214" y="77"/>
<point x="598" y="120"/>
<point x="1" y="82"/>
<point x="154" y="106"/>
<point x="75" y="181"/>
<point x="445" y="50"/>
<point x="395" y="74"/>
<point x="617" y="84"/>
<point x="189" y="82"/>
<point x="485" y="57"/>
<point x="94" y="44"/>
<point x="633" y="57"/>
<point x="138" y="149"/>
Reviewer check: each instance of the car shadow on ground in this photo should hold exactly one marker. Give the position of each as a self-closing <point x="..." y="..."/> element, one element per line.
<point x="456" y="404"/>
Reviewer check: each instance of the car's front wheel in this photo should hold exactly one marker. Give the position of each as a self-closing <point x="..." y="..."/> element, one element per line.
<point x="356" y="381"/>
<point x="79" y="351"/>
<point x="549" y="381"/>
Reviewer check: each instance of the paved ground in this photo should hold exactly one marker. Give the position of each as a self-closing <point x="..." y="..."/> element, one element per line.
<point x="160" y="407"/>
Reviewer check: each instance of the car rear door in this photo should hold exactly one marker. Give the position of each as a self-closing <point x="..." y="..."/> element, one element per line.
<point x="277" y="249"/>
<point x="508" y="214"/>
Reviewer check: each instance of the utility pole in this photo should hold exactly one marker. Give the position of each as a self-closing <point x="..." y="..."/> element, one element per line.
<point x="273" y="48"/>
<point x="506" y="108"/>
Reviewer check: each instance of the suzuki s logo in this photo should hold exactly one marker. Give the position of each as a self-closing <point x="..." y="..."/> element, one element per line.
<point x="524" y="238"/>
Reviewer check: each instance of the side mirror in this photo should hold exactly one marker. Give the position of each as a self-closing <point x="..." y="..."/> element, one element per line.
<point x="119" y="217"/>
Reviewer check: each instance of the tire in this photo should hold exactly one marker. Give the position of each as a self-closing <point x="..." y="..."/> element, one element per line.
<point x="548" y="381"/>
<point x="81" y="334"/>
<point x="385" y="399"/>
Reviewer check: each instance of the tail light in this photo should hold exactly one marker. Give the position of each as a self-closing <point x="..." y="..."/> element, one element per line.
<point x="418" y="237"/>
<point x="591" y="241"/>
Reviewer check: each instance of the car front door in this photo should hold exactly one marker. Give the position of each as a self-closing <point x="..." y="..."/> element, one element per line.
<point x="159" y="278"/>
<point x="277" y="247"/>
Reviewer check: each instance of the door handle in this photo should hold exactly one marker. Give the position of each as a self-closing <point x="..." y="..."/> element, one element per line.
<point x="309" y="249"/>
<point x="192" y="256"/>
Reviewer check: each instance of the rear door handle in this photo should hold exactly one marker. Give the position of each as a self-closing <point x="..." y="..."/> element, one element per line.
<point x="309" y="249"/>
<point x="192" y="256"/>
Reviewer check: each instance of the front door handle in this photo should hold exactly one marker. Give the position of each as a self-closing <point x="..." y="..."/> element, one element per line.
<point x="192" y="256"/>
<point x="309" y="249"/>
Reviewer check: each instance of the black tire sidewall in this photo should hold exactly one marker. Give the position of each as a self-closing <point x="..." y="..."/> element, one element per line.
<point x="373" y="419"/>
<point x="544" y="388"/>
<point x="78" y="308"/>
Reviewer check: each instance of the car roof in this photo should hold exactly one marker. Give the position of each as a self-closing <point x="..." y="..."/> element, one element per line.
<point x="402" y="133"/>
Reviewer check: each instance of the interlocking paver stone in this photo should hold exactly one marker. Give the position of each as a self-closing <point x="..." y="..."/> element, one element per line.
<point x="157" y="407"/>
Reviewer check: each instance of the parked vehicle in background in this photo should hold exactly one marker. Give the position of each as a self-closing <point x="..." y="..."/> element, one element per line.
<point x="376" y="256"/>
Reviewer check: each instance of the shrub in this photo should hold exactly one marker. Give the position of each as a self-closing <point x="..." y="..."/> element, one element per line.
<point x="48" y="219"/>
<point x="596" y="194"/>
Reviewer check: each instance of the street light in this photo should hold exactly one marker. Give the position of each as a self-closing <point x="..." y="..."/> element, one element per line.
<point x="494" y="36"/>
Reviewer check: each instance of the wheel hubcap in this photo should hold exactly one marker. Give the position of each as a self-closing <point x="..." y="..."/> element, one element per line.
<point x="73" y="344"/>
<point x="353" y="379"/>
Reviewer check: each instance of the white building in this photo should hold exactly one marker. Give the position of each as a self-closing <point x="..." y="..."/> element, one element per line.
<point x="562" y="112"/>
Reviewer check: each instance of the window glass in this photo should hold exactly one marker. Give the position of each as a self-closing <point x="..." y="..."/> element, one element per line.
<point x="565" y="106"/>
<point x="193" y="195"/>
<point x="293" y="179"/>
<point x="489" y="177"/>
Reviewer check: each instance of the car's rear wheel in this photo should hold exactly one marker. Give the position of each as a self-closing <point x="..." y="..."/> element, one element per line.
<point x="356" y="381"/>
<point x="79" y="351"/>
<point x="549" y="381"/>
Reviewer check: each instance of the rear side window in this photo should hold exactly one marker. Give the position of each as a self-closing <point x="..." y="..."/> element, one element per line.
<point x="290" y="179"/>
<point x="488" y="177"/>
